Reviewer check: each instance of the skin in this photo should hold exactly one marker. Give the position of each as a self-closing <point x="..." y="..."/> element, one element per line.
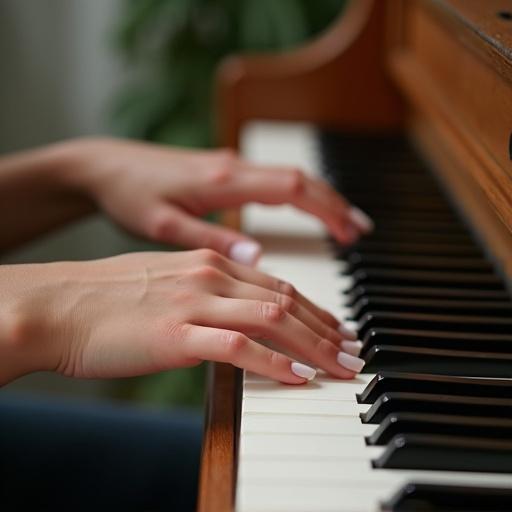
<point x="147" y="312"/>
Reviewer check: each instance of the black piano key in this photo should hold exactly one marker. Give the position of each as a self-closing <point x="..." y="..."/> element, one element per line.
<point x="439" y="361"/>
<point x="357" y="260"/>
<point x="407" y="225"/>
<point x="395" y="402"/>
<point x="390" y="236"/>
<point x="446" y="453"/>
<point x="411" y="248"/>
<point x="452" y="307"/>
<point x="422" y="497"/>
<point x="440" y="424"/>
<point x="384" y="215"/>
<point x="414" y="201"/>
<point x="432" y="278"/>
<point x="392" y="183"/>
<point x="430" y="322"/>
<point x="397" y="181"/>
<point x="355" y="293"/>
<point x="447" y="340"/>
<point x="350" y="171"/>
<point x="342" y="171"/>
<point x="386" y="381"/>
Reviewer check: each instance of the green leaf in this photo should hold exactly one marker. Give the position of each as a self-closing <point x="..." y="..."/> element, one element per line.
<point x="182" y="386"/>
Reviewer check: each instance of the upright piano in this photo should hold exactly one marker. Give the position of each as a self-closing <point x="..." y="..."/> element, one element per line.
<point x="405" y="106"/>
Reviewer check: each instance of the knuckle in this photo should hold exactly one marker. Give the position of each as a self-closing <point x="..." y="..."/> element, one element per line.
<point x="225" y="168"/>
<point x="326" y="348"/>
<point x="160" y="227"/>
<point x="296" y="181"/>
<point x="177" y="331"/>
<point x="271" y="312"/>
<point x="233" y="344"/>
<point x="287" y="289"/>
<point x="276" y="360"/>
<point x="326" y="317"/>
<point x="287" y="303"/>
<point x="173" y="345"/>
<point x="207" y="273"/>
<point x="227" y="156"/>
<point x="331" y="334"/>
<point x="186" y="295"/>
<point x="209" y="257"/>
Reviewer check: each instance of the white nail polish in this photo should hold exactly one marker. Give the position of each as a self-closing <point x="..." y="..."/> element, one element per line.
<point x="360" y="219"/>
<point x="350" y="362"/>
<point x="245" y="252"/>
<point x="301" y="370"/>
<point x="351" y="347"/>
<point x="347" y="333"/>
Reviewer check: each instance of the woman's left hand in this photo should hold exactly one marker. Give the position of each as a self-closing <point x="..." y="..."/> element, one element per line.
<point x="161" y="193"/>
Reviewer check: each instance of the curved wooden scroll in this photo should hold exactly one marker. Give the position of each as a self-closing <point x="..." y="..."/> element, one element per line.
<point x="339" y="80"/>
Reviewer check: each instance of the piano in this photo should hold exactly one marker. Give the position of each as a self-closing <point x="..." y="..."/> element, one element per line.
<point x="405" y="106"/>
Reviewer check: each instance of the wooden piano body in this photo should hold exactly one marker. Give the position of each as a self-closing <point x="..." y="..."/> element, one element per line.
<point x="440" y="70"/>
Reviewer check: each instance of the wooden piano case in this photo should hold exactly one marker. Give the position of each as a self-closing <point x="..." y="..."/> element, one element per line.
<point x="439" y="70"/>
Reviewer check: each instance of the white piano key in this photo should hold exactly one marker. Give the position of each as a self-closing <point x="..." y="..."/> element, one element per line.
<point x="316" y="472"/>
<point x="281" y="143"/>
<point x="341" y="495"/>
<point x="304" y="423"/>
<point x="300" y="446"/>
<point x="262" y="498"/>
<point x="320" y="388"/>
<point x="282" y="406"/>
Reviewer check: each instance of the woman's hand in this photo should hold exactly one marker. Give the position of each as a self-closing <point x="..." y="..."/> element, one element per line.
<point x="147" y="312"/>
<point x="160" y="192"/>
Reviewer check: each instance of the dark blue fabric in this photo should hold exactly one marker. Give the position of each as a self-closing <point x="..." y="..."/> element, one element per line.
<point x="67" y="456"/>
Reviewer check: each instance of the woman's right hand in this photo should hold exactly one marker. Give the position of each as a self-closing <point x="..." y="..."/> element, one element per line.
<point x="147" y="312"/>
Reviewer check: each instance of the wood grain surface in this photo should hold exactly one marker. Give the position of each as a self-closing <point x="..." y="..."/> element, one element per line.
<point x="218" y="459"/>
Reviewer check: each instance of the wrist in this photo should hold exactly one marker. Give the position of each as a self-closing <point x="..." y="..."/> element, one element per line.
<point x="66" y="164"/>
<point x="74" y="165"/>
<point x="26" y="313"/>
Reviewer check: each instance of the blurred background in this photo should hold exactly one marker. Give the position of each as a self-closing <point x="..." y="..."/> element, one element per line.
<point x="133" y="68"/>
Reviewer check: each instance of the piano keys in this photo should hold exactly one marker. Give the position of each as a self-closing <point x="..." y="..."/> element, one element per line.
<point x="438" y="424"/>
<point x="407" y="110"/>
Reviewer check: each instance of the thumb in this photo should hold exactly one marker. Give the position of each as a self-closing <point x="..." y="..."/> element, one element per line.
<point x="180" y="228"/>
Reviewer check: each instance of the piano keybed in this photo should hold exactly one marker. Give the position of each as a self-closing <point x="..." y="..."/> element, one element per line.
<point x="427" y="423"/>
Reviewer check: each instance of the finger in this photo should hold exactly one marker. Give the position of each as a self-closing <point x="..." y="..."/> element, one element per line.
<point x="240" y="290"/>
<point x="320" y="200"/>
<point x="277" y="185"/>
<point x="320" y="192"/>
<point x="233" y="347"/>
<point x="253" y="276"/>
<point x="267" y="320"/>
<point x="172" y="225"/>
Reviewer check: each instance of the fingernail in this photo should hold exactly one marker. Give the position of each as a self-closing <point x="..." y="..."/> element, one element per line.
<point x="245" y="252"/>
<point x="350" y="362"/>
<point x="301" y="370"/>
<point x="360" y="219"/>
<point x="347" y="333"/>
<point x="351" y="347"/>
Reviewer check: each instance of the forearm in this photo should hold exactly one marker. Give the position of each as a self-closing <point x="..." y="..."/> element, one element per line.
<point x="36" y="194"/>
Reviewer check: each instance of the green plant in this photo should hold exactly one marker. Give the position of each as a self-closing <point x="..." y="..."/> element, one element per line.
<point x="175" y="46"/>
